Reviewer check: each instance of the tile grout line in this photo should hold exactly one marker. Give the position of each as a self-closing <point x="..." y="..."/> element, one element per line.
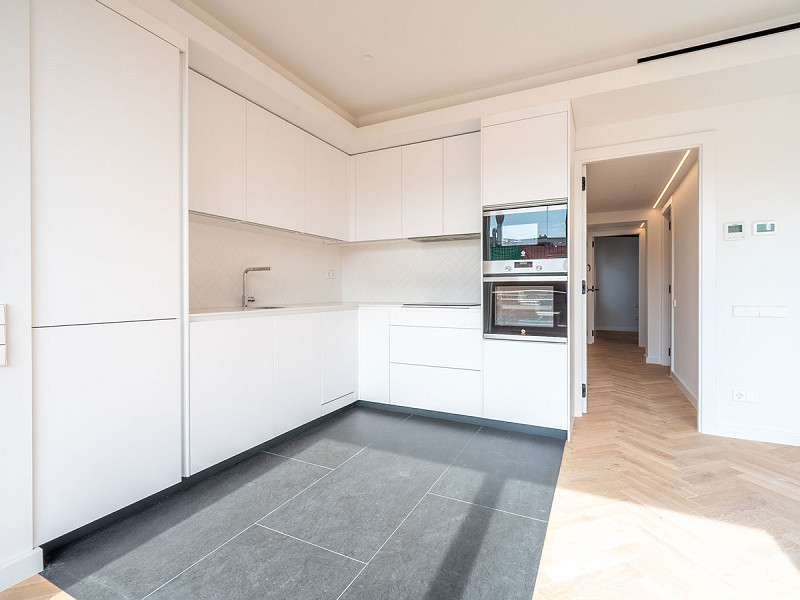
<point x="310" y="543"/>
<point x="195" y="563"/>
<point x="298" y="460"/>
<point x="311" y="485"/>
<point x="411" y="511"/>
<point x="254" y="523"/>
<point x="489" y="507"/>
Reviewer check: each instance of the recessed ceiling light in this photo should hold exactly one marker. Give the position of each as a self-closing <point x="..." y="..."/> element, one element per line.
<point x="366" y="57"/>
<point x="678" y="168"/>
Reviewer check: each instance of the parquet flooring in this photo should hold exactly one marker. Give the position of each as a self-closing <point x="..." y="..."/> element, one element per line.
<point x="647" y="508"/>
<point x="34" y="588"/>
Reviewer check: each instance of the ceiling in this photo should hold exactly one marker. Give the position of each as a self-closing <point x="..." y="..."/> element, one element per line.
<point x="428" y="54"/>
<point x="634" y="182"/>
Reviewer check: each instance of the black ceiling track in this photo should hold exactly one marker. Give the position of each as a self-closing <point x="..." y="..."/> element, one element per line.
<point x="730" y="40"/>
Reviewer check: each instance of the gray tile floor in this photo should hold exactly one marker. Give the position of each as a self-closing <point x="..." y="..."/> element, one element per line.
<point x="367" y="505"/>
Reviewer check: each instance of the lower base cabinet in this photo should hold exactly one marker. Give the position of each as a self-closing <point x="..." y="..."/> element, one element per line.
<point x="339" y="359"/>
<point x="298" y="370"/>
<point x="230" y="388"/>
<point x="456" y="391"/>
<point x="107" y="420"/>
<point x="526" y="382"/>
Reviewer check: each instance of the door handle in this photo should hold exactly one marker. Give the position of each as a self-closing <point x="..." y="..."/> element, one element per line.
<point x="593" y="289"/>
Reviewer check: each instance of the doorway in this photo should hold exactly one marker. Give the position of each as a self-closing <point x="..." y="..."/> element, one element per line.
<point x="624" y="202"/>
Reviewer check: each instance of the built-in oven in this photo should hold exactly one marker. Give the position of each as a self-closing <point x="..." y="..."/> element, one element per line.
<point x="525" y="308"/>
<point x="529" y="240"/>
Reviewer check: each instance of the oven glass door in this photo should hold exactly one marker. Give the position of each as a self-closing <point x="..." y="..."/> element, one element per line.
<point x="526" y="308"/>
<point x="533" y="233"/>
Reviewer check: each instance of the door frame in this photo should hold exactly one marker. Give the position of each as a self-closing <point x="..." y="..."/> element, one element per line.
<point x="613" y="230"/>
<point x="706" y="143"/>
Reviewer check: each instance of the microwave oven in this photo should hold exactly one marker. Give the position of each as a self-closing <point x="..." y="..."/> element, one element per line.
<point x="530" y="240"/>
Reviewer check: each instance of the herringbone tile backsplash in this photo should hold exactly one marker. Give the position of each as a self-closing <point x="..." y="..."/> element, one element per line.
<point x="407" y="271"/>
<point x="400" y="271"/>
<point x="218" y="254"/>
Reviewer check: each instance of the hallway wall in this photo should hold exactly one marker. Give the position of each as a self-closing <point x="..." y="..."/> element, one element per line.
<point x="616" y="260"/>
<point x="686" y="257"/>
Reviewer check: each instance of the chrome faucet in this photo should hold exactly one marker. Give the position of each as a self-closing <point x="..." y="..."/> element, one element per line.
<point x="245" y="297"/>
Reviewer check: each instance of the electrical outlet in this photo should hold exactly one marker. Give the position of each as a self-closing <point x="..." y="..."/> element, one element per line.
<point x="330" y="274"/>
<point x="739" y="395"/>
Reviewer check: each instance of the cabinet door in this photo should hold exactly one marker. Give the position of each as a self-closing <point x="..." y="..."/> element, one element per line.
<point x="373" y="354"/>
<point x="526" y="382"/>
<point x="275" y="170"/>
<point x="526" y="161"/>
<point x="217" y="129"/>
<point x="230" y="388"/>
<point x="325" y="189"/>
<point x="422" y="189"/>
<point x="462" y="184"/>
<point x="107" y="420"/>
<point x="106" y="132"/>
<point x="454" y="391"/>
<point x="436" y="347"/>
<point x="378" y="197"/>
<point x="339" y="357"/>
<point x="298" y="370"/>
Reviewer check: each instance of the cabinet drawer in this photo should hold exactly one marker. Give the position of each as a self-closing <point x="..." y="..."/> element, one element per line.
<point x="447" y="390"/>
<point x="460" y="318"/>
<point x="436" y="347"/>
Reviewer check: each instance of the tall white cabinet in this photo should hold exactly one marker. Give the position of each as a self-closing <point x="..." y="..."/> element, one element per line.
<point x="378" y="195"/>
<point x="106" y="139"/>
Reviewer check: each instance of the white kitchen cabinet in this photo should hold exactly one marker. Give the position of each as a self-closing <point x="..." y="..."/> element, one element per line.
<point x="462" y="184"/>
<point x="298" y="370"/>
<point x="422" y="208"/>
<point x="106" y="178"/>
<point x="230" y="388"/>
<point x="275" y="170"/>
<point x="107" y="420"/>
<point x="217" y="149"/>
<point x="457" y="318"/>
<point x="436" y="347"/>
<point x="456" y="391"/>
<point x="378" y="195"/>
<point x="325" y="189"/>
<point x="373" y="354"/>
<point x="526" y="382"/>
<point x="526" y="160"/>
<point x="339" y="358"/>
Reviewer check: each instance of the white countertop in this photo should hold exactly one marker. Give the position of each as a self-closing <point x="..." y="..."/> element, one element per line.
<point x="202" y="313"/>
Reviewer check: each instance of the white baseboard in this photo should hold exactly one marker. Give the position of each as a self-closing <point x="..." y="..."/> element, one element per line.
<point x="752" y="433"/>
<point x="682" y="387"/>
<point x="20" y="568"/>
<point x="652" y="360"/>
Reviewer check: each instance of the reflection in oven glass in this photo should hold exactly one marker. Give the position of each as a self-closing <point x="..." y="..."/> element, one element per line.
<point x="517" y="306"/>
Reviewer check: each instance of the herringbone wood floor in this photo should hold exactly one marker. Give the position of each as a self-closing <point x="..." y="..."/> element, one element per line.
<point x="647" y="508"/>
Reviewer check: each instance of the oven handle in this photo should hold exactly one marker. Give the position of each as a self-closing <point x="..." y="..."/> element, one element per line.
<point x="525" y="278"/>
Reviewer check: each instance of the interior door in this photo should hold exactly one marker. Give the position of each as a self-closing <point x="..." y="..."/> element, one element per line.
<point x="590" y="286"/>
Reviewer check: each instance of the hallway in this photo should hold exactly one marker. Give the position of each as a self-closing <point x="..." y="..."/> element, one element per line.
<point x="645" y="507"/>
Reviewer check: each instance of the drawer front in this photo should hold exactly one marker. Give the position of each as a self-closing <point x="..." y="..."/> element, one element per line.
<point x="460" y="318"/>
<point x="431" y="388"/>
<point x="436" y="347"/>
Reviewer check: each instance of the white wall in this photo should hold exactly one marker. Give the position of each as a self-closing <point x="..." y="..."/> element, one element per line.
<point x="756" y="157"/>
<point x="686" y="292"/>
<point x="654" y="253"/>
<point x="407" y="271"/>
<point x="218" y="253"/>
<point x="616" y="263"/>
<point x="18" y="559"/>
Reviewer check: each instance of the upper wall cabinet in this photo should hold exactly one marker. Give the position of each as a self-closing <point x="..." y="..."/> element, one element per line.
<point x="325" y="189"/>
<point x="275" y="170"/>
<point x="462" y="184"/>
<point x="378" y="195"/>
<point x="526" y="160"/>
<point x="422" y="189"/>
<point x="217" y="129"/>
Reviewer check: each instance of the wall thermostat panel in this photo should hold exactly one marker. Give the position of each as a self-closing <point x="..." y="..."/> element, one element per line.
<point x="733" y="231"/>
<point x="763" y="227"/>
